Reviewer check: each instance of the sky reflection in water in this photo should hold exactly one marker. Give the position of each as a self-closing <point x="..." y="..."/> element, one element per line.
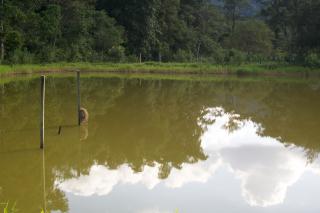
<point x="161" y="145"/>
<point x="265" y="167"/>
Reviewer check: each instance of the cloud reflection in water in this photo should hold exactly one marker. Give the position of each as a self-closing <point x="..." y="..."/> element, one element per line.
<point x="265" y="166"/>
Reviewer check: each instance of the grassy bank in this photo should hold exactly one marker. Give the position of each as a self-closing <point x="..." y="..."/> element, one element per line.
<point x="163" y="68"/>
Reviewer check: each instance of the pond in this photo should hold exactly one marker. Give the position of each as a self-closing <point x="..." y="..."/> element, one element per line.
<point x="216" y="144"/>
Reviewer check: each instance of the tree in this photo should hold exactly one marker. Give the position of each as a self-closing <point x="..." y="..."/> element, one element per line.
<point x="209" y="28"/>
<point x="51" y="24"/>
<point x="233" y="9"/>
<point x="206" y="27"/>
<point x="296" y="24"/>
<point x="106" y="33"/>
<point x="251" y="37"/>
<point x="2" y="31"/>
<point x="139" y="17"/>
<point x="165" y="30"/>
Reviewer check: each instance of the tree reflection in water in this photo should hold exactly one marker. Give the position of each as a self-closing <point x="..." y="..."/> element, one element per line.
<point x="157" y="131"/>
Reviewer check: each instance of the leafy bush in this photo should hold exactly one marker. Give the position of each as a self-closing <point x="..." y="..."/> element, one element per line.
<point x="182" y="56"/>
<point x="116" y="54"/>
<point x="13" y="41"/>
<point x="50" y="54"/>
<point x="279" y="55"/>
<point x="132" y="59"/>
<point x="251" y="36"/>
<point x="22" y="57"/>
<point x="218" y="56"/>
<point x="234" y="56"/>
<point x="312" y="59"/>
<point x="7" y="208"/>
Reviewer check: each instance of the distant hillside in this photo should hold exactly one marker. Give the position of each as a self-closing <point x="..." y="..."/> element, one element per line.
<point x="253" y="8"/>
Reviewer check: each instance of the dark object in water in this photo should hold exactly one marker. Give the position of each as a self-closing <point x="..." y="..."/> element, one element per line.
<point x="59" y="131"/>
<point x="84" y="115"/>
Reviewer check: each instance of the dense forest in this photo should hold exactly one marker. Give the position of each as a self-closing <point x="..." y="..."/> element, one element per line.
<point x="219" y="31"/>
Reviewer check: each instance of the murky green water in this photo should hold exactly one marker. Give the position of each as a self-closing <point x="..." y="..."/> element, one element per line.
<point x="151" y="146"/>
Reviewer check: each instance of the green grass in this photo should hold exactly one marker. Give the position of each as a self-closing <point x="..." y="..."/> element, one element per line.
<point x="12" y="209"/>
<point x="161" y="68"/>
<point x="297" y="77"/>
<point x="7" y="208"/>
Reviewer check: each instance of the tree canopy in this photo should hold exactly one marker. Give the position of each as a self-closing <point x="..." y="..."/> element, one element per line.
<point x="159" y="30"/>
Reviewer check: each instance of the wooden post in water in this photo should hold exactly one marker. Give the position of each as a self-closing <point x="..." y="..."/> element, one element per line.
<point x="44" y="181"/>
<point x="42" y="103"/>
<point x="2" y="101"/>
<point x="2" y="110"/>
<point x="78" y="95"/>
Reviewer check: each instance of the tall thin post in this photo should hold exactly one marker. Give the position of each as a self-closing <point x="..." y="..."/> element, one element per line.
<point x="79" y="97"/>
<point x="44" y="181"/>
<point x="2" y="110"/>
<point x="140" y="58"/>
<point x="2" y="101"/>
<point x="42" y="103"/>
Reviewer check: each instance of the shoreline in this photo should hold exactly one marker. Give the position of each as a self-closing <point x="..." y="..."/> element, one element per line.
<point x="163" y="69"/>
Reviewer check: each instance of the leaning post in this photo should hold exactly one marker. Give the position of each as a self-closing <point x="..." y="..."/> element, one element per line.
<point x="78" y="97"/>
<point x="42" y="104"/>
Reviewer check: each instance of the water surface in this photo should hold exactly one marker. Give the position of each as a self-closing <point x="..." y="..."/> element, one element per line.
<point x="151" y="145"/>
